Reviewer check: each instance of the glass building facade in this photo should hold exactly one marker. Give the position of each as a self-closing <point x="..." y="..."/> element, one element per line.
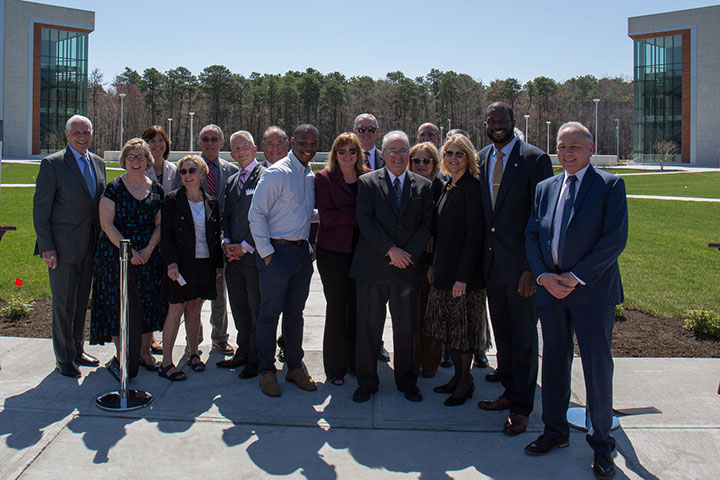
<point x="63" y="83"/>
<point x="657" y="115"/>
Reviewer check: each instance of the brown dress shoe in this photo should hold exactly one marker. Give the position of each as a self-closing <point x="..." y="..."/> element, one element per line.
<point x="301" y="378"/>
<point x="224" y="348"/>
<point x="515" y="424"/>
<point x="269" y="384"/>
<point x="500" y="403"/>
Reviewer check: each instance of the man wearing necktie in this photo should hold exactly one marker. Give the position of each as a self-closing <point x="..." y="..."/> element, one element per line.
<point x="211" y="141"/>
<point x="65" y="213"/>
<point x="510" y="169"/>
<point x="239" y="247"/>
<point x="577" y="230"/>
<point x="366" y="128"/>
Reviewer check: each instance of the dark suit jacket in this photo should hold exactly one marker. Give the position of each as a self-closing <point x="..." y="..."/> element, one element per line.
<point x="383" y="223"/>
<point x="226" y="170"/>
<point x="596" y="236"/>
<point x="336" y="206"/>
<point x="458" y="230"/>
<point x="235" y="225"/>
<point x="504" y="243"/>
<point x="178" y="229"/>
<point x="379" y="160"/>
<point x="64" y="213"/>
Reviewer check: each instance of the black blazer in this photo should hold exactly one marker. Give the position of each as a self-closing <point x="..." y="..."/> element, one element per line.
<point x="458" y="227"/>
<point x="235" y="224"/>
<point x="504" y="243"/>
<point x="178" y="229"/>
<point x="379" y="160"/>
<point x="383" y="223"/>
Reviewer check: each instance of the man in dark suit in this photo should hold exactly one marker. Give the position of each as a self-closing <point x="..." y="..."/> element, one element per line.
<point x="577" y="231"/>
<point x="366" y="128"/>
<point x="394" y="212"/>
<point x="509" y="171"/>
<point x="428" y="132"/>
<point x="239" y="247"/>
<point x="275" y="145"/>
<point x="211" y="141"/>
<point x="65" y="213"/>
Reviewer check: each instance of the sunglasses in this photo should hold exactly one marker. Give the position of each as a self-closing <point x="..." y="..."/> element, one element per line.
<point x="367" y="129"/>
<point x="458" y="154"/>
<point x="343" y="151"/>
<point x="185" y="171"/>
<point x="418" y="161"/>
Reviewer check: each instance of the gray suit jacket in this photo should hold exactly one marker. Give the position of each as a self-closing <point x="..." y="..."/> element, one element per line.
<point x="235" y="224"/>
<point x="226" y="170"/>
<point x="171" y="179"/>
<point x="64" y="213"/>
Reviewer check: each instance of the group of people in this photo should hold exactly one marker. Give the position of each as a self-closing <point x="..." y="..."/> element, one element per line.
<point x="435" y="230"/>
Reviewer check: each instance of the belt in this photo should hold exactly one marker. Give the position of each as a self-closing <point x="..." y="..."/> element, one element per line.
<point x="281" y="241"/>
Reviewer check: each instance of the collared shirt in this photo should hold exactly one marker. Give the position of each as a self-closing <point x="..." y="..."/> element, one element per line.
<point x="371" y="157"/>
<point x="507" y="149"/>
<point x="401" y="177"/>
<point x="282" y="205"/>
<point x="82" y="164"/>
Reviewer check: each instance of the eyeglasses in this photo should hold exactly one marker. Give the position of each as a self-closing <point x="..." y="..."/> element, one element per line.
<point x="343" y="151"/>
<point x="396" y="153"/>
<point x="428" y="135"/>
<point x="135" y="158"/>
<point x="185" y="171"/>
<point x="367" y="129"/>
<point x="210" y="139"/>
<point x="458" y="154"/>
<point x="418" y="161"/>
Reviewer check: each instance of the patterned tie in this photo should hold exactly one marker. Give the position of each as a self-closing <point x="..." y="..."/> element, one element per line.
<point x="497" y="174"/>
<point x="211" y="179"/>
<point x="568" y="206"/>
<point x="398" y="190"/>
<point x="87" y="176"/>
<point x="241" y="180"/>
<point x="367" y="160"/>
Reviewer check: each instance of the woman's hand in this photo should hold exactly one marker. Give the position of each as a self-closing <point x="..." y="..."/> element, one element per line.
<point x="459" y="289"/>
<point x="173" y="271"/>
<point x="146" y="253"/>
<point x="136" y="258"/>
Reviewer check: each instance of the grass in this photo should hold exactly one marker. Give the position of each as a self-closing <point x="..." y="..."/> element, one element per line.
<point x="20" y="173"/>
<point x="704" y="185"/>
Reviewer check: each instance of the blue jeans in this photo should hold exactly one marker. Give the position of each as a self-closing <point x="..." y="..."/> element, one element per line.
<point x="284" y="288"/>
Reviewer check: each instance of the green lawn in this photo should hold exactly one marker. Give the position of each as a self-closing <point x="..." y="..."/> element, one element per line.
<point x="705" y="185"/>
<point x="20" y="173"/>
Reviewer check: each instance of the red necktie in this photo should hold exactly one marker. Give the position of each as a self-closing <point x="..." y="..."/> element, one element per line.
<point x="211" y="179"/>
<point x="367" y="160"/>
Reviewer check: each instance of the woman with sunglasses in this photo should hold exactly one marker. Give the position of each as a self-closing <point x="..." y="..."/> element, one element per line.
<point x="456" y="307"/>
<point x="129" y="208"/>
<point x="335" y="194"/>
<point x="192" y="254"/>
<point x="425" y="160"/>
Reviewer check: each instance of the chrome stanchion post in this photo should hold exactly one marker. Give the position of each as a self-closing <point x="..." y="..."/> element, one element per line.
<point x="123" y="399"/>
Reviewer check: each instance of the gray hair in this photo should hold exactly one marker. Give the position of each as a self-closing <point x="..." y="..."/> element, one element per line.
<point x="577" y="126"/>
<point x="209" y="126"/>
<point x="76" y="118"/>
<point x="365" y="115"/>
<point x="395" y="133"/>
<point x="276" y="129"/>
<point x="242" y="133"/>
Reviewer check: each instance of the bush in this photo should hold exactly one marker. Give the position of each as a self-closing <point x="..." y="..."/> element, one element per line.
<point x="702" y="322"/>
<point x="619" y="313"/>
<point x="16" y="309"/>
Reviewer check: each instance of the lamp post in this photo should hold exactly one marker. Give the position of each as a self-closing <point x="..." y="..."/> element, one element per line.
<point x="122" y="118"/>
<point x="547" y="148"/>
<point x="617" y="138"/>
<point x="192" y="114"/>
<point x="170" y="130"/>
<point x="449" y="120"/>
<point x="596" y="100"/>
<point x="527" y="139"/>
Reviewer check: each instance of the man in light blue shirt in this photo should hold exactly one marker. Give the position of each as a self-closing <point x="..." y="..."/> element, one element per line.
<point x="280" y="216"/>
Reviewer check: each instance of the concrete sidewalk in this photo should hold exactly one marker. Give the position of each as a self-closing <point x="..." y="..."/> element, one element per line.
<point x="216" y="425"/>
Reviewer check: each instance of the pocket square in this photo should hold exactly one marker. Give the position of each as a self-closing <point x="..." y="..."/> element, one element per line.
<point x="249" y="191"/>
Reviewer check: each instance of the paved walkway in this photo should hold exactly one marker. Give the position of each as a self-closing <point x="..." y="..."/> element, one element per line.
<point x="215" y="425"/>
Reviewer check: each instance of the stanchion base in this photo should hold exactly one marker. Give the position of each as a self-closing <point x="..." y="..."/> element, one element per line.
<point x="113" y="402"/>
<point x="577" y="419"/>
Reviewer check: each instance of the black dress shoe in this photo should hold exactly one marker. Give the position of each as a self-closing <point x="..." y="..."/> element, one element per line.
<point x="69" y="370"/>
<point x="383" y="355"/>
<point x="545" y="444"/>
<point x="233" y="362"/>
<point x="413" y="394"/>
<point x="481" y="360"/>
<point x="458" y="398"/>
<point x="113" y="368"/>
<point x="603" y="466"/>
<point x="250" y="371"/>
<point x="363" y="394"/>
<point x="493" y="376"/>
<point x="86" y="360"/>
<point x="448" y="387"/>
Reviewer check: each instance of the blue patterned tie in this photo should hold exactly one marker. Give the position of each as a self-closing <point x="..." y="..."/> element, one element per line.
<point x="567" y="211"/>
<point x="88" y="176"/>
<point x="398" y="190"/>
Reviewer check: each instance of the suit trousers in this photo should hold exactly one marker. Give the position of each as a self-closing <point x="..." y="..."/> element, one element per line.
<point x="244" y="294"/>
<point x="514" y="322"/>
<point x="593" y="327"/>
<point x="284" y="288"/>
<point x="70" y="288"/>
<point x="218" y="312"/>
<point x="371" y="301"/>
<point x="340" y="312"/>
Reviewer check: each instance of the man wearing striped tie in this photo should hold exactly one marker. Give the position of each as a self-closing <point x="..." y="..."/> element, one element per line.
<point x="211" y="140"/>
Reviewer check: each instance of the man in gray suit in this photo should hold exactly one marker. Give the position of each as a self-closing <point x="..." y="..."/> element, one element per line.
<point x="239" y="247"/>
<point x="211" y="140"/>
<point x="65" y="213"/>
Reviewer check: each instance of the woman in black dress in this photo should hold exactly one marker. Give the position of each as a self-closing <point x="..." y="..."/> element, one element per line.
<point x="192" y="254"/>
<point x="456" y="306"/>
<point x="129" y="208"/>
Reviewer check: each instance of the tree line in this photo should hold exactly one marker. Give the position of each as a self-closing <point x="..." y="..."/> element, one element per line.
<point x="331" y="102"/>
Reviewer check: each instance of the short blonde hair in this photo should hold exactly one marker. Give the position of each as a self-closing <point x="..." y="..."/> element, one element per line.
<point x="197" y="160"/>
<point x="430" y="148"/>
<point x="137" y="144"/>
<point x="467" y="147"/>
<point x="341" y="140"/>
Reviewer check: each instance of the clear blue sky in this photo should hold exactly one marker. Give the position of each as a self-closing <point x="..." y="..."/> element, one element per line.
<point x="486" y="40"/>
